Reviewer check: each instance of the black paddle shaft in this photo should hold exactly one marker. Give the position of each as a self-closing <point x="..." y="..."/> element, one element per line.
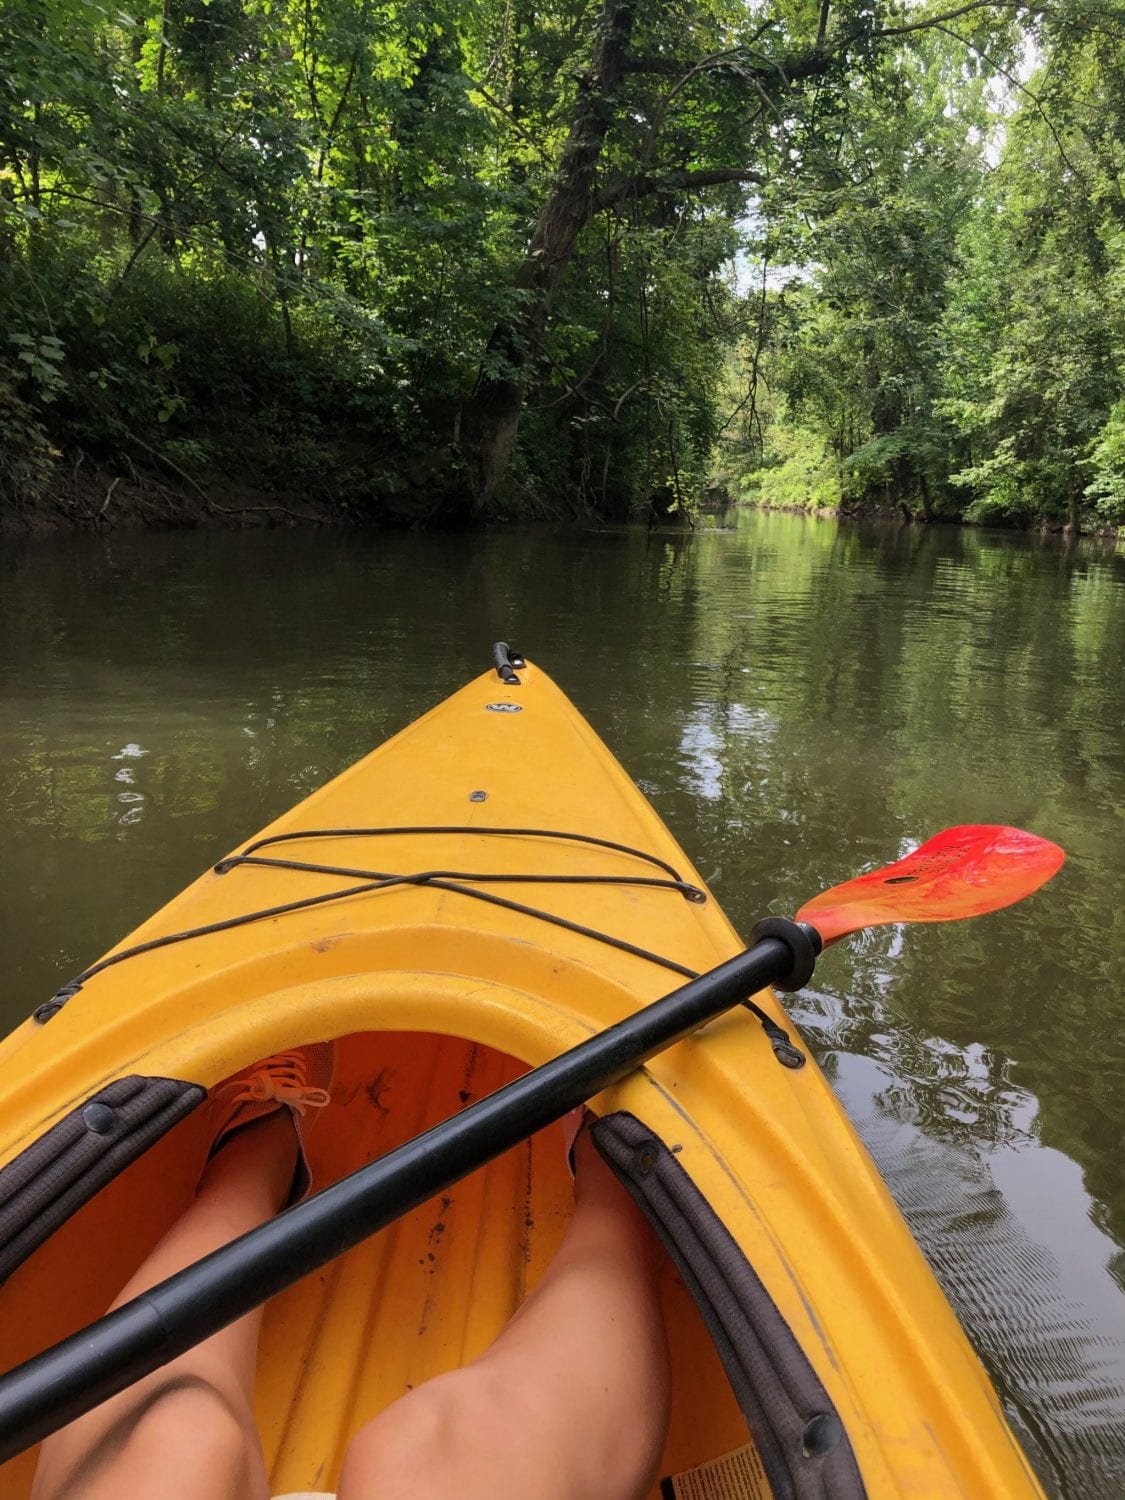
<point x="82" y="1371"/>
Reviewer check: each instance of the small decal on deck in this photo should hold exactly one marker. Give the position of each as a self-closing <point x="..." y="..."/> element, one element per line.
<point x="504" y="708"/>
<point x="735" y="1476"/>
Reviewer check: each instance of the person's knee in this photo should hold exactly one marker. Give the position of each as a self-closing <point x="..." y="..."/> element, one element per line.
<point x="187" y="1424"/>
<point x="415" y="1447"/>
<point x="476" y="1433"/>
<point x="191" y="1414"/>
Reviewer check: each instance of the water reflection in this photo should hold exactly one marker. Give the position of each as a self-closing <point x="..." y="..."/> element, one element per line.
<point x="1008" y="1227"/>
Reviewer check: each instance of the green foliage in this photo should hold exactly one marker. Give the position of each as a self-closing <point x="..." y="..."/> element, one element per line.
<point x="1036" y="323"/>
<point x="1107" y="463"/>
<point x="27" y="457"/>
<point x="628" y="407"/>
<point x="239" y="233"/>
<point x="957" y="333"/>
<point x="286" y="240"/>
<point x="803" y="475"/>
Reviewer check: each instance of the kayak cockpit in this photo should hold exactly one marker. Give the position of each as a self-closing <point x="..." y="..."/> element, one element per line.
<point x="426" y="1295"/>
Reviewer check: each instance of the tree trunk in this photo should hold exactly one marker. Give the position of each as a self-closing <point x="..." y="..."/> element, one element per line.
<point x="927" y="502"/>
<point x="1073" y="509"/>
<point x="493" y="414"/>
<point x="162" y="53"/>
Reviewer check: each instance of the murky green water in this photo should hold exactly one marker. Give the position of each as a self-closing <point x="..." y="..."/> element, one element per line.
<point x="800" y="702"/>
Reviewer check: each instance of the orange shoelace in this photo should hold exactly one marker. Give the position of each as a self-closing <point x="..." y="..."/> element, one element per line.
<point x="282" y="1079"/>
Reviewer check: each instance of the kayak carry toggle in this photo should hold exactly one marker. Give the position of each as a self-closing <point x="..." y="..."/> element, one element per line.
<point x="783" y="1049"/>
<point x="506" y="659"/>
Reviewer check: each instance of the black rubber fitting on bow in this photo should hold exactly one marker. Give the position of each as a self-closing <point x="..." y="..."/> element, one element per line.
<point x="803" y="943"/>
<point x="505" y="659"/>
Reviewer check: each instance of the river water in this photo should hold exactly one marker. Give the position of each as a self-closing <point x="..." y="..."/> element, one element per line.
<point x="800" y="699"/>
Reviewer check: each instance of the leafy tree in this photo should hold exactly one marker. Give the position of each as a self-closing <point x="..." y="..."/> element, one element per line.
<point x="854" y="351"/>
<point x="425" y="259"/>
<point x="1037" y="324"/>
<point x="955" y="336"/>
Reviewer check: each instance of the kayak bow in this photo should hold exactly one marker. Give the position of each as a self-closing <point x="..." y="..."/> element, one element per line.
<point x="482" y="893"/>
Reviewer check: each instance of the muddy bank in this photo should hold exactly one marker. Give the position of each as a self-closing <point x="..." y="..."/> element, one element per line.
<point x="147" y="490"/>
<point x="89" y="496"/>
<point x="85" y="495"/>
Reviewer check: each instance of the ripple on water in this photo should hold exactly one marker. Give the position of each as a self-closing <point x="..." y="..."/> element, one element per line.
<point x="1008" y="1231"/>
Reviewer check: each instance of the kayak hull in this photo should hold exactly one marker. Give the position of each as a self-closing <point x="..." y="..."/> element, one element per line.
<point x="437" y="997"/>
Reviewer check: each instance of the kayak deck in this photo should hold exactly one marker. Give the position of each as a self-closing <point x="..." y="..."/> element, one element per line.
<point x="438" y="997"/>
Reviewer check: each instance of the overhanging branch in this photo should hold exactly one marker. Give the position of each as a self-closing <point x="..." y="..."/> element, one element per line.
<point x="644" y="183"/>
<point x="924" y="23"/>
<point x="744" y="62"/>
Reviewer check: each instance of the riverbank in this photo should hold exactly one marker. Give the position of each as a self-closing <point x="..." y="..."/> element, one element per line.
<point x="99" y="497"/>
<point x="899" y="516"/>
<point x="357" y="485"/>
<point x="152" y="492"/>
<point x="159" y="495"/>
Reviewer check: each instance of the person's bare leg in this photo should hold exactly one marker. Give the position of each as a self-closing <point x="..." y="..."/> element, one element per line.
<point x="188" y="1429"/>
<point x="571" y="1401"/>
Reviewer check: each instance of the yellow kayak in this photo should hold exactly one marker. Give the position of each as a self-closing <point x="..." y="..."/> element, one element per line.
<point x="814" y="1354"/>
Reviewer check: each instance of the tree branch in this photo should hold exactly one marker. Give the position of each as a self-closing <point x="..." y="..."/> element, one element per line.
<point x="811" y="62"/>
<point x="678" y="66"/>
<point x="822" y="28"/>
<point x="491" y="100"/>
<point x="138" y="251"/>
<point x="337" y="116"/>
<point x="644" y="183"/>
<point x="962" y="10"/>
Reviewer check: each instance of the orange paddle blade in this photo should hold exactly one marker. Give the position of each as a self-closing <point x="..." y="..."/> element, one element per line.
<point x="963" y="872"/>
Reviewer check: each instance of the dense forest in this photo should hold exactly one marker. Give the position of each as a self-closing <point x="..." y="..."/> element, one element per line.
<point x="425" y="260"/>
